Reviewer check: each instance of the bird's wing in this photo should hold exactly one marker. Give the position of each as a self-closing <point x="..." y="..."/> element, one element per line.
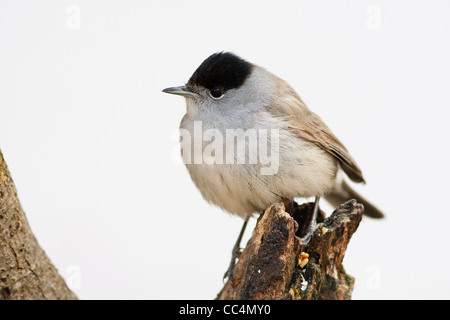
<point x="310" y="127"/>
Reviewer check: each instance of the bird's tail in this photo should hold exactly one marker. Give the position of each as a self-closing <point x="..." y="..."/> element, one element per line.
<point x="343" y="193"/>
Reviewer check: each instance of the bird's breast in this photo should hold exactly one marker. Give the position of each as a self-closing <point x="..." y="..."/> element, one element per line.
<point x="243" y="169"/>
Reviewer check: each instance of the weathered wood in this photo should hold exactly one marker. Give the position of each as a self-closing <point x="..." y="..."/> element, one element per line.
<point x="25" y="270"/>
<point x="269" y="266"/>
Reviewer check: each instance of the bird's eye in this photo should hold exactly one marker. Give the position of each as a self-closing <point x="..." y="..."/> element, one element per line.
<point x="216" y="93"/>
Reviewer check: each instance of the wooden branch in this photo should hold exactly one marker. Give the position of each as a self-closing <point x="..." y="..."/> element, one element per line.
<point x="25" y="270"/>
<point x="276" y="264"/>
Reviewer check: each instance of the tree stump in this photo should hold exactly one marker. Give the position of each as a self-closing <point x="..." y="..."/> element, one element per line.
<point x="276" y="264"/>
<point x="25" y="270"/>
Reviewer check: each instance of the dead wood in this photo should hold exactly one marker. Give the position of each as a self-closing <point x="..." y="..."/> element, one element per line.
<point x="273" y="265"/>
<point x="25" y="270"/>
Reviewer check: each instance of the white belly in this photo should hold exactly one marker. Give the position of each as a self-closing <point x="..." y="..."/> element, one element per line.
<point x="303" y="170"/>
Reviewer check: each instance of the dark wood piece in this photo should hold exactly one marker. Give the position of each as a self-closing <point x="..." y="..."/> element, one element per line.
<point x="269" y="267"/>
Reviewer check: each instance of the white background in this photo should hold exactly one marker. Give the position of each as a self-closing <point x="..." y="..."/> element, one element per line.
<point x="88" y="135"/>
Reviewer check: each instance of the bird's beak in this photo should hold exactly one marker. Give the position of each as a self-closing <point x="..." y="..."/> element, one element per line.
<point x="181" y="91"/>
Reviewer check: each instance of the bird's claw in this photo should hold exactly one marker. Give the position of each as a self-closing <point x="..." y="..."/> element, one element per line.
<point x="235" y="256"/>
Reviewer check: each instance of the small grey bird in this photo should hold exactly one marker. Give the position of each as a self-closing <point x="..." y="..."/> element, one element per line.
<point x="227" y="92"/>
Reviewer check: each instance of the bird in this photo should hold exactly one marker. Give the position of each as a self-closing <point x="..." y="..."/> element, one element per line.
<point x="227" y="93"/>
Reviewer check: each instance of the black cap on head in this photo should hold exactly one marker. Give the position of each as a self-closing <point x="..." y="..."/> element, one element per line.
<point x="223" y="70"/>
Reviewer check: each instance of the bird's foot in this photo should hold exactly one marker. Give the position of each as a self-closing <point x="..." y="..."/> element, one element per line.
<point x="234" y="256"/>
<point x="313" y="223"/>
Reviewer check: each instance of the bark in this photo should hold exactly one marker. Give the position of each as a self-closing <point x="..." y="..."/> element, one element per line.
<point x="276" y="264"/>
<point x="25" y="270"/>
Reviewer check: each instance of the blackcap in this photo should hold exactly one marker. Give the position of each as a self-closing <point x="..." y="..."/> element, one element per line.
<point x="254" y="142"/>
